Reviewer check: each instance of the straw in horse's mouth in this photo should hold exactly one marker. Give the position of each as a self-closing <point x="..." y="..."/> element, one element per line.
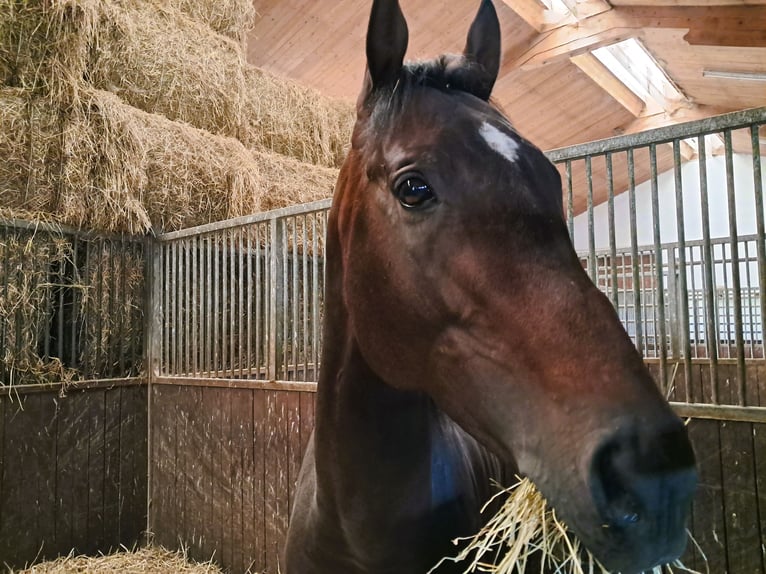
<point x="526" y="526"/>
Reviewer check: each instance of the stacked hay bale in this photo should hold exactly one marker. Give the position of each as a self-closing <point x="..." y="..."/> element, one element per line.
<point x="138" y="116"/>
<point x="130" y="115"/>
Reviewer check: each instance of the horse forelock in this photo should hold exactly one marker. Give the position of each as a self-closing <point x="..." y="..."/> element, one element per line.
<point x="449" y="73"/>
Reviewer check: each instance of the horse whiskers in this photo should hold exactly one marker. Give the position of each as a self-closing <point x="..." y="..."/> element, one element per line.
<point x="526" y="526"/>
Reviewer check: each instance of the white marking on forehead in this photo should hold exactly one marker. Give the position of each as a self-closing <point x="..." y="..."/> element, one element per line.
<point x="501" y="142"/>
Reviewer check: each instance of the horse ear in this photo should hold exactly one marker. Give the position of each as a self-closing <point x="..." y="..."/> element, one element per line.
<point x="483" y="46"/>
<point x="387" y="38"/>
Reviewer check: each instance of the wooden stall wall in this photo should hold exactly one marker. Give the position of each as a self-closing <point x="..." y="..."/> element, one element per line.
<point x="225" y="462"/>
<point x="72" y="471"/>
<point x="224" y="466"/>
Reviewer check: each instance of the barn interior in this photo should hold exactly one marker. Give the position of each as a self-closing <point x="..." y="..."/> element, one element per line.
<point x="165" y="177"/>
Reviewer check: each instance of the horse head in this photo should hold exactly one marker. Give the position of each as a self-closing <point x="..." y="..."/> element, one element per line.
<point x="460" y="282"/>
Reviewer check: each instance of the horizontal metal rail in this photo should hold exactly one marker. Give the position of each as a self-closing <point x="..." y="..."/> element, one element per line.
<point x="730" y="121"/>
<point x="293" y="210"/>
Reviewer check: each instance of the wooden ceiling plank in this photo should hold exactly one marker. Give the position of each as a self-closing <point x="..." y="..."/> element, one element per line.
<point x="721" y="26"/>
<point x="600" y="74"/>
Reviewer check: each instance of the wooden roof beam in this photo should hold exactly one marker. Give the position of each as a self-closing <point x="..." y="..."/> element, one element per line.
<point x="600" y="74"/>
<point x="531" y="11"/>
<point x="743" y="25"/>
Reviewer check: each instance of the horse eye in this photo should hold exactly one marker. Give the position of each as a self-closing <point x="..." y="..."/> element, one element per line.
<point x="414" y="192"/>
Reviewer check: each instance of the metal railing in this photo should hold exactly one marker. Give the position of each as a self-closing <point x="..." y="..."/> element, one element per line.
<point x="243" y="298"/>
<point x="684" y="299"/>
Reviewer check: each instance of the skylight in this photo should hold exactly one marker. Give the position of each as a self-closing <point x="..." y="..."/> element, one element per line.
<point x="632" y="64"/>
<point x="555" y="10"/>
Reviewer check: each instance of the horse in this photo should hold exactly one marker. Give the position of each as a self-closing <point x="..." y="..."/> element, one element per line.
<point x="464" y="343"/>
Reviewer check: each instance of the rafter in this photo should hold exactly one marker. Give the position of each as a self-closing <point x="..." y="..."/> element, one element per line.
<point x="531" y="11"/>
<point x="720" y="26"/>
<point x="599" y="73"/>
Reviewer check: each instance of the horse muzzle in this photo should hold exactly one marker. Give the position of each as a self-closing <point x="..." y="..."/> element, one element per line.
<point x="642" y="480"/>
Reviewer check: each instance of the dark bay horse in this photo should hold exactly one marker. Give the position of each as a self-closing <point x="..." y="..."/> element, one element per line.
<point x="464" y="342"/>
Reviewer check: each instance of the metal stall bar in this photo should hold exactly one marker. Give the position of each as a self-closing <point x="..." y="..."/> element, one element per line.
<point x="760" y="232"/>
<point x="634" y="253"/>
<point x="658" y="267"/>
<point x="304" y="279"/>
<point x="683" y="291"/>
<point x="735" y="272"/>
<point x="611" y="226"/>
<point x="591" y="222"/>
<point x="570" y="200"/>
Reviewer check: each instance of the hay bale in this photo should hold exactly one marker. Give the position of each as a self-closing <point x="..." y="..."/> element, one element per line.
<point x="526" y="528"/>
<point x="45" y="46"/>
<point x="157" y="57"/>
<point x="122" y="169"/>
<point x="296" y="121"/>
<point x="30" y="145"/>
<point x="153" y="559"/>
<point x="231" y="18"/>
<point x="161" y="61"/>
<point x="27" y="267"/>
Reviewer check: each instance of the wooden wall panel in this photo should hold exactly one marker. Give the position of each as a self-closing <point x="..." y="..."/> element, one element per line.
<point x="248" y="444"/>
<point x="72" y="472"/>
<point x="225" y="464"/>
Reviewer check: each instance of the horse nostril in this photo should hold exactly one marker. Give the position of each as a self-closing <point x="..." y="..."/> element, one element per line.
<point x="644" y="476"/>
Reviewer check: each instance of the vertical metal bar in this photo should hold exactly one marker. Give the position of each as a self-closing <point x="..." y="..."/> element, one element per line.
<point x="760" y="228"/>
<point x="111" y="313"/>
<point x="750" y="312"/>
<point x="73" y="362"/>
<point x="285" y="301"/>
<point x="294" y="303"/>
<point x="265" y="285"/>
<point x="612" y="240"/>
<point x="196" y="281"/>
<point x="99" y="307"/>
<point x="178" y="306"/>
<point x="154" y="252"/>
<point x="682" y="286"/>
<point x="126" y="247"/>
<point x="736" y="283"/>
<point x="187" y="347"/>
<point x="259" y="300"/>
<point x="225" y="301"/>
<point x="658" y="265"/>
<point x="694" y="326"/>
<point x="708" y="266"/>
<point x="634" y="252"/>
<point x="172" y="300"/>
<point x="591" y="224"/>
<point x="241" y="303"/>
<point x="570" y="200"/>
<point x="249" y="316"/>
<point x="305" y="281"/>
<point x="315" y="296"/>
<point x="60" y="310"/>
<point x="725" y="260"/>
<point x="216" y="341"/>
<point x="232" y="299"/>
<point x="276" y="292"/>
<point x="208" y="314"/>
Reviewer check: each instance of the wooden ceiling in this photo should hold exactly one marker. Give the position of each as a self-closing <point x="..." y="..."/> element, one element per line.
<point x="553" y="90"/>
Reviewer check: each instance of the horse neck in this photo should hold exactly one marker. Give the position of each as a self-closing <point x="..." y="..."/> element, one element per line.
<point x="365" y="429"/>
